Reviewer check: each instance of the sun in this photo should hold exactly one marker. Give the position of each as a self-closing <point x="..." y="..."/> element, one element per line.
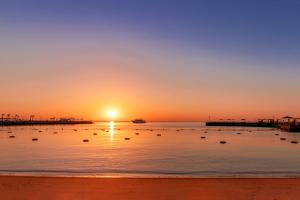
<point x="112" y="113"/>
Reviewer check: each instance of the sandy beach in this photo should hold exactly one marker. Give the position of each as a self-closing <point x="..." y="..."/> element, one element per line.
<point x="27" y="187"/>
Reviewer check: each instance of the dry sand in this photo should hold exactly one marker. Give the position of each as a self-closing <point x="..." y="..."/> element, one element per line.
<point x="26" y="187"/>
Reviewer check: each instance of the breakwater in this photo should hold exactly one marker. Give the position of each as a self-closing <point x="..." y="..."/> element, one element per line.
<point x="43" y="122"/>
<point x="286" y="126"/>
<point x="244" y="124"/>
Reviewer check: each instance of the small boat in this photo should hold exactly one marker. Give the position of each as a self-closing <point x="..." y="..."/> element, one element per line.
<point x="138" y="121"/>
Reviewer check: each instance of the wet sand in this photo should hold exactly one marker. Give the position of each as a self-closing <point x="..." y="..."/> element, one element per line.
<point x="27" y="187"/>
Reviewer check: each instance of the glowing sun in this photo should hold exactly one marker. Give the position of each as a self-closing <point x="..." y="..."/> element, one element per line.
<point x="112" y="113"/>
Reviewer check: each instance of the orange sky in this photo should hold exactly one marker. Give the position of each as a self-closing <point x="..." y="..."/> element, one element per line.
<point x="140" y="77"/>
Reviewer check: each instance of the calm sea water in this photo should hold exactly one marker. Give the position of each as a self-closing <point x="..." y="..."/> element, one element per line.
<point x="179" y="151"/>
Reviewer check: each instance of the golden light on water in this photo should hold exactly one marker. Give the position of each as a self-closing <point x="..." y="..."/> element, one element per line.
<point x="111" y="130"/>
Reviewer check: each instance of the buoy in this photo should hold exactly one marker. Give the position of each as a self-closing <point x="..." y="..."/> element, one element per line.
<point x="75" y="129"/>
<point x="276" y="134"/>
<point x="238" y="133"/>
<point x="35" y="139"/>
<point x="282" y="138"/>
<point x="54" y="132"/>
<point x="205" y="131"/>
<point x="85" y="140"/>
<point x="11" y="136"/>
<point x="95" y="133"/>
<point x="294" y="142"/>
<point x="9" y="132"/>
<point x="40" y="131"/>
<point x="222" y="142"/>
<point x="158" y="134"/>
<point x="127" y="138"/>
<point x="202" y="137"/>
<point x="137" y="133"/>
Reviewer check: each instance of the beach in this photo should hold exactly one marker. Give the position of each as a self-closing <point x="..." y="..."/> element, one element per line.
<point x="34" y="187"/>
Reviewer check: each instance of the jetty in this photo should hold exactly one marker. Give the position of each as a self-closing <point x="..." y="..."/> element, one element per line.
<point x="242" y="124"/>
<point x="287" y="123"/>
<point x="43" y="122"/>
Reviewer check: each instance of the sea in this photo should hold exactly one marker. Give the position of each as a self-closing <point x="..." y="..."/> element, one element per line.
<point x="154" y="149"/>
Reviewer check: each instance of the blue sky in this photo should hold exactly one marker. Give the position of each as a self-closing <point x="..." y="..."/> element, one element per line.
<point x="264" y="30"/>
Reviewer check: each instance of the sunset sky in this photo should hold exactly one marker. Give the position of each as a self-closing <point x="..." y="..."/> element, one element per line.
<point x="158" y="60"/>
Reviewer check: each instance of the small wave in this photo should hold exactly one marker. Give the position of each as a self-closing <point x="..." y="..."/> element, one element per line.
<point x="149" y="173"/>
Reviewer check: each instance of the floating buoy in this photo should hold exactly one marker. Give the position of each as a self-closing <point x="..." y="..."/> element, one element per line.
<point x="205" y="131"/>
<point x="158" y="134"/>
<point x="137" y="133"/>
<point x="294" y="142"/>
<point x="238" y="133"/>
<point x="282" y="138"/>
<point x="9" y="132"/>
<point x="75" y="129"/>
<point x="127" y="138"/>
<point x="222" y="142"/>
<point x="54" y="132"/>
<point x="85" y="140"/>
<point x="11" y="136"/>
<point x="35" y="139"/>
<point x="276" y="134"/>
<point x="40" y="131"/>
<point x="95" y="134"/>
<point x="202" y="137"/>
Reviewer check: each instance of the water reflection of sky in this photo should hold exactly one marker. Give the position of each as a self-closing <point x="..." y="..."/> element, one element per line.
<point x="178" y="151"/>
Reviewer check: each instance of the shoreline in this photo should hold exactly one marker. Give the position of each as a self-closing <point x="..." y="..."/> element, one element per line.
<point x="232" y="175"/>
<point x="31" y="187"/>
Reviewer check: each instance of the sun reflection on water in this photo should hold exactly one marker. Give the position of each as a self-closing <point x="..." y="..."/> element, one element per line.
<point x="112" y="130"/>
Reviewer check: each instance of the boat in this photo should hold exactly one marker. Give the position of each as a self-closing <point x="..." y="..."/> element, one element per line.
<point x="138" y="121"/>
